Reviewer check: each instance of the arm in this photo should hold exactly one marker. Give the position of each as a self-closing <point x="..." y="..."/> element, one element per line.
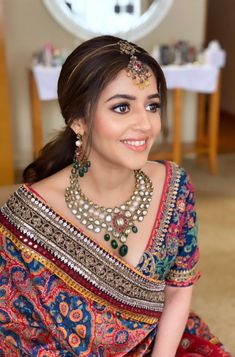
<point x="182" y="275"/>
<point x="173" y="321"/>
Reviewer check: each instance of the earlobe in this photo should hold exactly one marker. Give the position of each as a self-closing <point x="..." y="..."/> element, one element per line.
<point x="78" y="126"/>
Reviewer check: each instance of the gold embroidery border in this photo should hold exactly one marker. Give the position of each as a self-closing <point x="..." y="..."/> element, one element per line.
<point x="70" y="282"/>
<point x="26" y="198"/>
<point x="164" y="221"/>
<point x="121" y="261"/>
<point x="183" y="275"/>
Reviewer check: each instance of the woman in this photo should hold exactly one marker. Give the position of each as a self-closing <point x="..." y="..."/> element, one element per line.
<point x="99" y="256"/>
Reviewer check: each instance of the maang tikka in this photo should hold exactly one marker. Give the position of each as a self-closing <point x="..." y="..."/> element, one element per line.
<point x="138" y="72"/>
<point x="80" y="162"/>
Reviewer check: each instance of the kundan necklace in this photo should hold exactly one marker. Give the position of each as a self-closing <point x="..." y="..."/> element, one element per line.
<point x="117" y="222"/>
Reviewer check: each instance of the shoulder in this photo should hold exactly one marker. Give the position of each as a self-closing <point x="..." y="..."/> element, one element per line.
<point x="53" y="185"/>
<point x="185" y="186"/>
<point x="167" y="169"/>
<point x="156" y="170"/>
<point x="175" y="177"/>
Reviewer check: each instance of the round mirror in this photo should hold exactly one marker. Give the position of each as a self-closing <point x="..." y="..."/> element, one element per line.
<point x="130" y="19"/>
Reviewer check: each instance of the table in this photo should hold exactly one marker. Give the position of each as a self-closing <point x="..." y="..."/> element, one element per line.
<point x="205" y="80"/>
<point x="201" y="79"/>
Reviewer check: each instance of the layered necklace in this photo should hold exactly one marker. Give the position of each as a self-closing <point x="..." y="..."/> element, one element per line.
<point x="117" y="222"/>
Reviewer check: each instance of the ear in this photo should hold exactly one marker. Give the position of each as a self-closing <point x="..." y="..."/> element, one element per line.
<point x="78" y="126"/>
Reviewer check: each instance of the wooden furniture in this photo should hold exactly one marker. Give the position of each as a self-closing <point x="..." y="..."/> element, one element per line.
<point x="207" y="130"/>
<point x="206" y="139"/>
<point x="6" y="156"/>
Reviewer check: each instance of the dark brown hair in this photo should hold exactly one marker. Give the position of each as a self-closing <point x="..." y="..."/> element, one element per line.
<point x="84" y="75"/>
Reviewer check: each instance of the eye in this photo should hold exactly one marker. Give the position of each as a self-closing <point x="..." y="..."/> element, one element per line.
<point x="153" y="107"/>
<point x="121" y="108"/>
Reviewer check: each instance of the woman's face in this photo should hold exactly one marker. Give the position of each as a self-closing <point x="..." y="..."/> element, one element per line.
<point x="126" y="123"/>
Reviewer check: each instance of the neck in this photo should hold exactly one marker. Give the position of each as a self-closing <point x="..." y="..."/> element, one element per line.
<point x="108" y="185"/>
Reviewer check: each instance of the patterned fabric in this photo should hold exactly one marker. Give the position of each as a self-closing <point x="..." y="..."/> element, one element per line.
<point x="62" y="294"/>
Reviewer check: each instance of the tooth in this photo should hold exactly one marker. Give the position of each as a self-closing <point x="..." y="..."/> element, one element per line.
<point x="134" y="143"/>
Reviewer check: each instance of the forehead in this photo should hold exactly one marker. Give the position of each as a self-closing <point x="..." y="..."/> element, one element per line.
<point x="125" y="85"/>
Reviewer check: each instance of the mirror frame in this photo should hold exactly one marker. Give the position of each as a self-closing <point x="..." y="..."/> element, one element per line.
<point x="147" y="22"/>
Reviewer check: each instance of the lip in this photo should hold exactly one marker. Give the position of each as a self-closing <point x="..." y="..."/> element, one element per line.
<point x="137" y="145"/>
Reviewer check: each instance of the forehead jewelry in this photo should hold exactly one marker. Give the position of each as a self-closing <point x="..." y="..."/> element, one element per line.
<point x="138" y="72"/>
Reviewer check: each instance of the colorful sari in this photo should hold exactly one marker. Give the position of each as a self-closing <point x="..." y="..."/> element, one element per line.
<point x="63" y="294"/>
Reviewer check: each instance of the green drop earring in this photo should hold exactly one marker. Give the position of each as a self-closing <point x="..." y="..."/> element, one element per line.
<point x="80" y="163"/>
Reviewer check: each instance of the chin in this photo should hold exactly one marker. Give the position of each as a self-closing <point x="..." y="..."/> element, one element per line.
<point x="136" y="164"/>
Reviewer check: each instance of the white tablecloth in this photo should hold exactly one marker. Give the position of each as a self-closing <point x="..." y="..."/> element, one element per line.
<point x="196" y="78"/>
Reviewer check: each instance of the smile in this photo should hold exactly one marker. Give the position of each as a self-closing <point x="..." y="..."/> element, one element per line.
<point x="135" y="145"/>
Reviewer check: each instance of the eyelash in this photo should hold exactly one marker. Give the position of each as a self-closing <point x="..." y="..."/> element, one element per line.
<point x="156" y="107"/>
<point x="119" y="106"/>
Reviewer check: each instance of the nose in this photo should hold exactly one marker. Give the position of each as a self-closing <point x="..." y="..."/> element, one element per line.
<point x="142" y="120"/>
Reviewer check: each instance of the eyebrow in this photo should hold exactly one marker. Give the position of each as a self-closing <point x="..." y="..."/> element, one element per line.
<point x="130" y="97"/>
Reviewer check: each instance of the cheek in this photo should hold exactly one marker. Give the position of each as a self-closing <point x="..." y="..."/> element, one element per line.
<point x="100" y="127"/>
<point x="106" y="127"/>
<point x="157" y="124"/>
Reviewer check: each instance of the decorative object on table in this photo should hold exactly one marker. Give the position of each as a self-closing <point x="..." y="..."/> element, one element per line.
<point x="182" y="52"/>
<point x="117" y="8"/>
<point x="50" y="56"/>
<point x="166" y="55"/>
<point x="214" y="55"/>
<point x="130" y="8"/>
<point x="182" y="47"/>
<point x="178" y="53"/>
